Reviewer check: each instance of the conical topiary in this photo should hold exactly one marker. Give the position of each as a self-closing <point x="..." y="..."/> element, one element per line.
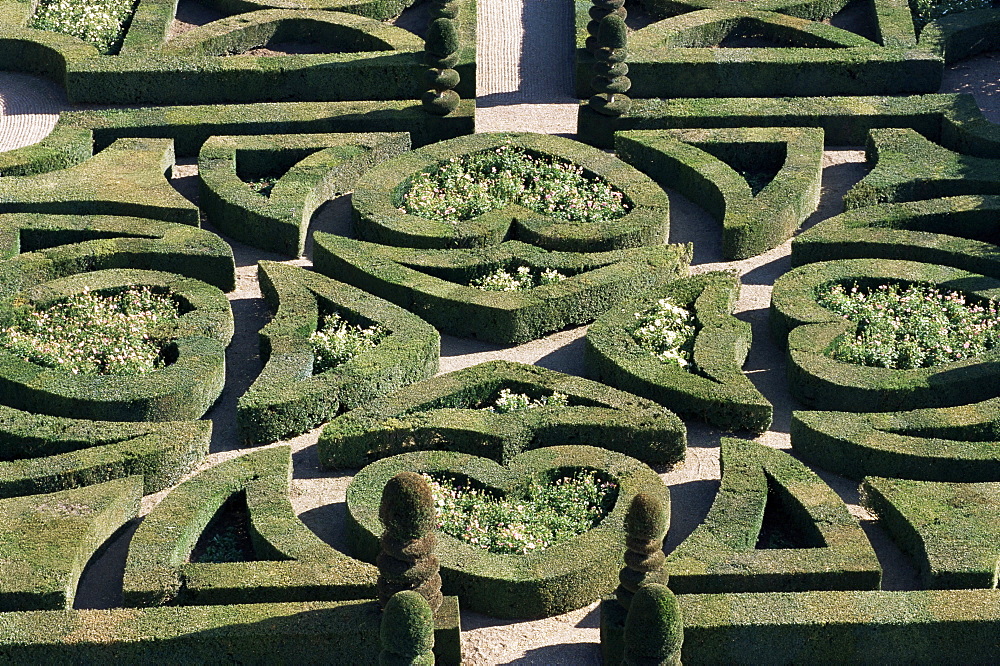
<point x="654" y="629"/>
<point x="645" y="527"/>
<point x="407" y="560"/>
<point x="598" y="11"/>
<point x="407" y="631"/>
<point x="441" y="46"/>
<point x="609" y="80"/>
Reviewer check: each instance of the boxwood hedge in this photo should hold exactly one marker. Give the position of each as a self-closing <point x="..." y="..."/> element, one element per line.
<point x="963" y="34"/>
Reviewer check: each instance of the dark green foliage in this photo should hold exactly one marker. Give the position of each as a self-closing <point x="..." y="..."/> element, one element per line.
<point x="963" y="34"/>
<point x="407" y="631"/>
<point x="407" y="508"/>
<point x="597" y="12"/>
<point x="442" y="38"/>
<point x="440" y="103"/>
<point x="716" y="391"/>
<point x="407" y="561"/>
<point x="654" y="629"/>
<point x="442" y="44"/>
<point x="64" y="147"/>
<point x="645" y="528"/>
<point x="540" y="584"/>
<point x="446" y="413"/>
<point x="610" y="81"/>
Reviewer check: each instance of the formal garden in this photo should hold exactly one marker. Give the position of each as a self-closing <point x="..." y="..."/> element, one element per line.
<point x="301" y="361"/>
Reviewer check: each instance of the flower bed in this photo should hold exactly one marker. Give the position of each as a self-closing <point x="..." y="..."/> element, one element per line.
<point x="99" y="22"/>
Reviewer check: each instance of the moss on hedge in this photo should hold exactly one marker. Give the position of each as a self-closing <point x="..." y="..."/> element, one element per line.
<point x="716" y="391"/>
<point x="287" y="398"/>
<point x="446" y="412"/>
<point x="552" y="581"/>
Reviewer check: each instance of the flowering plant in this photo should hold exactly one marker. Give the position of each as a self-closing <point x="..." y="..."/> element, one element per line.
<point x="337" y="342"/>
<point x="508" y="401"/>
<point x="521" y="279"/>
<point x="667" y="331"/>
<point x="910" y="326"/>
<point x="100" y="22"/>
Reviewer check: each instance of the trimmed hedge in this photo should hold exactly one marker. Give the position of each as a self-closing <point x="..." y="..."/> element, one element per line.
<point x="65" y="146"/>
<point x="378" y="198"/>
<point x="697" y="163"/>
<point x="47" y="540"/>
<point x="962" y="35"/>
<point x="434" y="284"/>
<point x="312" y="169"/>
<point x="303" y="633"/>
<point x="715" y="390"/>
<point x="908" y="167"/>
<point x="295" y="565"/>
<point x="870" y="627"/>
<point x="127" y="178"/>
<point x="819" y="381"/>
<point x="952" y="231"/>
<point x="287" y="399"/>
<point x="48" y="453"/>
<point x="938" y="444"/>
<point x="184" y="389"/>
<point x="38" y="247"/>
<point x="446" y="413"/>
<point x="723" y="555"/>
<point x="954" y="120"/>
<point x="191" y="126"/>
<point x="555" y="580"/>
<point x="950" y="530"/>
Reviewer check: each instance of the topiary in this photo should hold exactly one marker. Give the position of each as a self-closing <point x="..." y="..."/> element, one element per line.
<point x="598" y="11"/>
<point x="407" y="561"/>
<point x="645" y="526"/>
<point x="610" y="69"/>
<point x="407" y="631"/>
<point x="654" y="629"/>
<point x="448" y="9"/>
<point x="441" y="46"/>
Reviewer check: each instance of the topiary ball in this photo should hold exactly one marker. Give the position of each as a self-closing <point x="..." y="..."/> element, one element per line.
<point x="654" y="630"/>
<point x="646" y="518"/>
<point x="407" y="508"/>
<point x="442" y="38"/>
<point x="407" y="631"/>
<point x="441" y="79"/>
<point x="440" y="104"/>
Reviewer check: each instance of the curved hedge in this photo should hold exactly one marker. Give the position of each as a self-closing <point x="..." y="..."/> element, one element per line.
<point x="434" y="284"/>
<point x="555" y="580"/>
<point x="963" y="34"/>
<point x="294" y="564"/>
<point x="65" y="146"/>
<point x="185" y="389"/>
<point x="715" y="390"/>
<point x="938" y="444"/>
<point x="287" y="399"/>
<point x="379" y="218"/>
<point x="37" y="247"/>
<point x="446" y="413"/>
<point x="697" y="164"/>
<point x="312" y="169"/>
<point x="722" y="554"/>
<point x="819" y="381"/>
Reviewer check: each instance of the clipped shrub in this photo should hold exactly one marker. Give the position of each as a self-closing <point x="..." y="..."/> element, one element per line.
<point x="407" y="631"/>
<point x="441" y="45"/>
<point x="654" y="629"/>
<point x="645" y="528"/>
<point x="598" y="10"/>
<point x="610" y="80"/>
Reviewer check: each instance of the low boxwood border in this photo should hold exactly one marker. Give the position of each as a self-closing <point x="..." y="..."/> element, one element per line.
<point x="686" y="160"/>
<point x="434" y="284"/>
<point x="65" y="146"/>
<point x="316" y="167"/>
<point x="183" y="390"/>
<point x="717" y="391"/>
<point x="818" y="381"/>
<point x="938" y="444"/>
<point x="445" y="413"/>
<point x="556" y="580"/>
<point x="963" y="34"/>
<point x="287" y="399"/>
<point x="721" y="554"/>
<point x="378" y="197"/>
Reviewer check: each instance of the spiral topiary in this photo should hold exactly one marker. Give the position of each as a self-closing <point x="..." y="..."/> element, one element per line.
<point x="610" y="69"/>
<point x="407" y="560"/>
<point x="654" y="629"/>
<point x="407" y="631"/>
<point x="598" y="11"/>
<point x="441" y="46"/>
<point x="448" y="9"/>
<point x="645" y="528"/>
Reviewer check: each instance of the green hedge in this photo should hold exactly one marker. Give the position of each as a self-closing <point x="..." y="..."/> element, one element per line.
<point x="127" y="178"/>
<point x="47" y="540"/>
<point x="378" y="197"/>
<point x="434" y="284"/>
<point x="698" y="164"/>
<point x="287" y="399"/>
<point x="301" y="633"/>
<point x="908" y="167"/>
<point x="963" y="35"/>
<point x="446" y="412"/>
<point x="191" y="126"/>
<point x="937" y="444"/>
<point x="184" y="389"/>
<point x="553" y="581"/>
<point x="65" y="146"/>
<point x="715" y="390"/>
<point x="952" y="231"/>
<point x="313" y="168"/>
<point x="294" y="564"/>
<point x="37" y="247"/>
<point x="722" y="554"/>
<point x="48" y="453"/>
<point x="950" y="530"/>
<point x="818" y="381"/>
<point x="45" y="54"/>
